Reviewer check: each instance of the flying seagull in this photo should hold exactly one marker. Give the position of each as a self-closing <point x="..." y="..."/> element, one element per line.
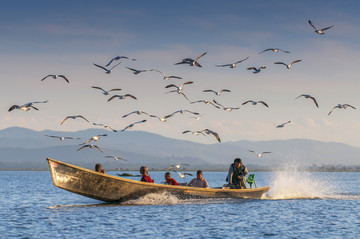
<point x="168" y="77"/>
<point x="95" y="138"/>
<point x="217" y="92"/>
<point x="121" y="97"/>
<point x="255" y="102"/>
<point x="256" y="70"/>
<point x="232" y="65"/>
<point x="137" y="71"/>
<point x="308" y="97"/>
<point x="163" y="119"/>
<point x="107" y="71"/>
<point x="208" y="131"/>
<point x="319" y="31"/>
<point x="91" y="146"/>
<point x="138" y="112"/>
<point x="179" y="89"/>
<point x="283" y="124"/>
<point x="207" y="102"/>
<point x="342" y="106"/>
<point x="287" y="66"/>
<point x="178" y="165"/>
<point x="131" y="125"/>
<point x="26" y="107"/>
<point x="274" y="50"/>
<point x="183" y="111"/>
<point x="259" y="154"/>
<point x="190" y="61"/>
<point x="55" y="77"/>
<point x="115" y="157"/>
<point x="193" y="132"/>
<point x="226" y="108"/>
<point x="74" y="117"/>
<point x="118" y="58"/>
<point x="105" y="92"/>
<point x="105" y="126"/>
<point x="182" y="175"/>
<point x="61" y="138"/>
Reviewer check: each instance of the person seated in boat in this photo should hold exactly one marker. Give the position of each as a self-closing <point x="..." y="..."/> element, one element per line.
<point x="98" y="168"/>
<point x="145" y="176"/>
<point x="170" y="180"/>
<point x="236" y="175"/>
<point x="199" y="181"/>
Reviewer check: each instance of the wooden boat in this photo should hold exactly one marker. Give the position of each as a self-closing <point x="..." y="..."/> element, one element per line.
<point x="110" y="188"/>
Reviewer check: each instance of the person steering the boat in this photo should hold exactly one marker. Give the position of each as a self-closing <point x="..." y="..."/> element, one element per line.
<point x="199" y="181"/>
<point x="170" y="180"/>
<point x="145" y="176"/>
<point x="98" y="168"/>
<point x="236" y="175"/>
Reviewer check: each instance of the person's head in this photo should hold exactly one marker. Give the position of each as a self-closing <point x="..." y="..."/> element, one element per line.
<point x="199" y="174"/>
<point x="237" y="162"/>
<point x="143" y="170"/>
<point x="98" y="167"/>
<point x="167" y="175"/>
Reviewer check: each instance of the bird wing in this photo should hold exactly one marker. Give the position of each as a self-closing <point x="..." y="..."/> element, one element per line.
<point x="171" y="85"/>
<point x="262" y="102"/>
<point x="82" y="147"/>
<point x="65" y="120"/>
<point x="331" y="110"/>
<point x="269" y="49"/>
<point x="247" y="102"/>
<point x="114" y="90"/>
<point x="195" y="113"/>
<point x="251" y="68"/>
<point x="185" y="96"/>
<point x="188" y="174"/>
<point x="300" y="96"/>
<point x="114" y="96"/>
<point x="130" y="68"/>
<point x="216" y="136"/>
<point x="225" y="90"/>
<point x="281" y="63"/>
<point x="13" y="107"/>
<point x="129" y="114"/>
<point x="100" y="67"/>
<point x="314" y="101"/>
<point x="209" y="91"/>
<point x="80" y="116"/>
<point x="52" y="136"/>
<point x="218" y="103"/>
<point x="347" y="105"/>
<point x="252" y="151"/>
<point x="265" y="152"/>
<point x="62" y="76"/>
<point x="326" y="28"/>
<point x="160" y="72"/>
<point x="283" y="50"/>
<point x="98" y="148"/>
<point x="45" y="77"/>
<point x="184" y="132"/>
<point x="131" y="96"/>
<point x="115" y="66"/>
<point x="294" y="62"/>
<point x="175" y="77"/>
<point x="241" y="60"/>
<point x="96" y="87"/>
<point x="186" y="83"/>
<point x="223" y="65"/>
<point x="108" y="64"/>
<point x="311" y="24"/>
<point x="197" y="58"/>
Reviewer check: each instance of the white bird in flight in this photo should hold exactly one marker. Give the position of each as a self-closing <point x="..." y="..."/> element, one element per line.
<point x="184" y="111"/>
<point x="207" y="102"/>
<point x="107" y="71"/>
<point x="138" y="112"/>
<point x="91" y="146"/>
<point x="118" y="58"/>
<point x="121" y="97"/>
<point x="26" y="107"/>
<point x="190" y="61"/>
<point x="168" y="77"/>
<point x="73" y="117"/>
<point x="226" y="108"/>
<point x="319" y="31"/>
<point x="217" y="92"/>
<point x="163" y="119"/>
<point x="342" y="106"/>
<point x="105" y="92"/>
<point x="95" y="138"/>
<point x="308" y="97"/>
<point x="255" y="102"/>
<point x="232" y="65"/>
<point x="132" y="125"/>
<point x="182" y="175"/>
<point x="55" y="77"/>
<point x="259" y="154"/>
<point x="115" y="157"/>
<point x="287" y="65"/>
<point x="137" y="71"/>
<point x="283" y="124"/>
<point x="274" y="50"/>
<point x="61" y="138"/>
<point x="256" y="70"/>
<point x="178" y="165"/>
<point x="193" y="132"/>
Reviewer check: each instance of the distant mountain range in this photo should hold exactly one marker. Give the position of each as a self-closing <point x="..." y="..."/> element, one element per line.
<point x="22" y="148"/>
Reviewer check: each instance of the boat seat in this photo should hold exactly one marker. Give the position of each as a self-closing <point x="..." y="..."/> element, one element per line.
<point x="251" y="180"/>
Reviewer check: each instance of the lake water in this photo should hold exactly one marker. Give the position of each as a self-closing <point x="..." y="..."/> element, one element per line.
<point x="298" y="205"/>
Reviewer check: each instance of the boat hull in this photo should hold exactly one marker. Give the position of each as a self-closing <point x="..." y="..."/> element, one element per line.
<point x="110" y="188"/>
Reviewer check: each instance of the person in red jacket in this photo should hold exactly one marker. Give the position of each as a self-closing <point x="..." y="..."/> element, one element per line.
<point x="170" y="180"/>
<point x="145" y="176"/>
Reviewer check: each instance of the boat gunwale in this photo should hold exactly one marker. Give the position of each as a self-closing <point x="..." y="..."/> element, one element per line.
<point x="156" y="185"/>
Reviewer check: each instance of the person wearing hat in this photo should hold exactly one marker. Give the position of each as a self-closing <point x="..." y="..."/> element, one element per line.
<point x="236" y="175"/>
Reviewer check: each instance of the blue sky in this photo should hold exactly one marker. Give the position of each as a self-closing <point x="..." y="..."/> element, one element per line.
<point x="47" y="37"/>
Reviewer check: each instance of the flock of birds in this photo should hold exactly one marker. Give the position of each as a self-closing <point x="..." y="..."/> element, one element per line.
<point x="173" y="88"/>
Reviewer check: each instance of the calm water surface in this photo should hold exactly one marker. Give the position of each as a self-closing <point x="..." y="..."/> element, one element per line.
<point x="298" y="205"/>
